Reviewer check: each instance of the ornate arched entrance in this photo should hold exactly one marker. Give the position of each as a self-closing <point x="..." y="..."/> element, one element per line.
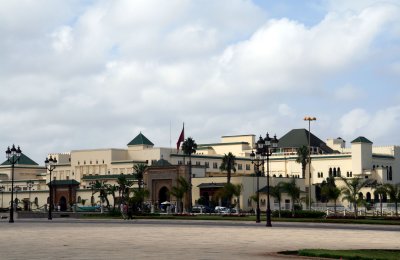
<point x="63" y="203"/>
<point x="163" y="195"/>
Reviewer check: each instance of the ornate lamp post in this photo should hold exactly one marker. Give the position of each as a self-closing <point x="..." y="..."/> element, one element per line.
<point x="50" y="166"/>
<point x="264" y="149"/>
<point x="30" y="185"/>
<point x="257" y="159"/>
<point x="13" y="156"/>
<point x="2" y="188"/>
<point x="309" y="119"/>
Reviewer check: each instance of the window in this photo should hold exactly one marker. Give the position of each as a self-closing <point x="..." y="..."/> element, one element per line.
<point x="215" y="165"/>
<point x="330" y="172"/>
<point x="247" y="167"/>
<point x="240" y="167"/>
<point x="207" y="164"/>
<point x="179" y="162"/>
<point x="197" y="163"/>
<point x="248" y="202"/>
<point x="263" y="202"/>
<point x="84" y="162"/>
<point x="322" y="175"/>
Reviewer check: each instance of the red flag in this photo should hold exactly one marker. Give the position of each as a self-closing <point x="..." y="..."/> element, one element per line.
<point x="181" y="138"/>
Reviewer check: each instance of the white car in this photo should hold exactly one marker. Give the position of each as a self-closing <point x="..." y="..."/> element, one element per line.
<point x="220" y="209"/>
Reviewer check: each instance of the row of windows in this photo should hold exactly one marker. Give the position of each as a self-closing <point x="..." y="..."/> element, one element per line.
<point x="215" y="165"/>
<point x="334" y="172"/>
<point x="90" y="162"/>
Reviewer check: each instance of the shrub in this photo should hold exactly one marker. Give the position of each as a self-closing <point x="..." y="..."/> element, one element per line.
<point x="299" y="214"/>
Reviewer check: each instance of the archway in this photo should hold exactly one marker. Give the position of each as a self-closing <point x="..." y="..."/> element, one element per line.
<point x="163" y="194"/>
<point x="63" y="203"/>
<point x="368" y="197"/>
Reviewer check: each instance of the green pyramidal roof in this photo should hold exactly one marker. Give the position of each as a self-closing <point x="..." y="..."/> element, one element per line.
<point x="23" y="159"/>
<point x="140" y="139"/>
<point x="361" y="139"/>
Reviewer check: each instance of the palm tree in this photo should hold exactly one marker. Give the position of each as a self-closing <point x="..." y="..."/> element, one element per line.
<point x="111" y="189"/>
<point x="292" y="190"/>
<point x="238" y="188"/>
<point x="228" y="165"/>
<point x="303" y="159"/>
<point x="330" y="191"/>
<point x="276" y="192"/>
<point x="351" y="191"/>
<point x="189" y="147"/>
<point x="102" y="188"/>
<point x="229" y="190"/>
<point x="124" y="186"/>
<point x="139" y="170"/>
<point x="380" y="191"/>
<point x="179" y="191"/>
<point x="393" y="190"/>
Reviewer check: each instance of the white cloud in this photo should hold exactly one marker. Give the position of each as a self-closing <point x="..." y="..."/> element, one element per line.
<point x="355" y="120"/>
<point x="383" y="124"/>
<point x="94" y="75"/>
<point x="63" y="39"/>
<point x="348" y="92"/>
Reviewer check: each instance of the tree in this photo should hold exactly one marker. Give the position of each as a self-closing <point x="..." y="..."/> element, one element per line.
<point x="189" y="147"/>
<point x="380" y="191"/>
<point x="393" y="190"/>
<point x="139" y="169"/>
<point x="228" y="191"/>
<point x="276" y="192"/>
<point x="102" y="188"/>
<point x="111" y="189"/>
<point x="293" y="191"/>
<point x="351" y="191"/>
<point x="228" y="165"/>
<point x="303" y="159"/>
<point x="124" y="186"/>
<point x="330" y="192"/>
<point x="179" y="191"/>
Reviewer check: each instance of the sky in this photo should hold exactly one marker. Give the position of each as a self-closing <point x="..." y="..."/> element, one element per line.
<point x="87" y="74"/>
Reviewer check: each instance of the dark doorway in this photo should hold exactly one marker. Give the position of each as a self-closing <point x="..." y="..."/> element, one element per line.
<point x="163" y="195"/>
<point x="63" y="203"/>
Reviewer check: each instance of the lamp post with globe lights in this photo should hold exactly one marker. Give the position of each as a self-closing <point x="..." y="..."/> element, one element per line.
<point x="264" y="149"/>
<point x="13" y="156"/>
<point x="50" y="166"/>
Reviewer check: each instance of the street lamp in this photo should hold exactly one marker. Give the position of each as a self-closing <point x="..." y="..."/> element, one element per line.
<point x="257" y="159"/>
<point x="30" y="185"/>
<point x="264" y="149"/>
<point x="2" y="188"/>
<point x="50" y="166"/>
<point x="309" y="119"/>
<point x="13" y="156"/>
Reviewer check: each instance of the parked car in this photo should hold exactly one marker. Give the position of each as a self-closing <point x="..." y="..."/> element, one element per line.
<point x="220" y="209"/>
<point x="201" y="208"/>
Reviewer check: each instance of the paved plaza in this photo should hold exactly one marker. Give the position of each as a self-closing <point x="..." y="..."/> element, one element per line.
<point x="172" y="239"/>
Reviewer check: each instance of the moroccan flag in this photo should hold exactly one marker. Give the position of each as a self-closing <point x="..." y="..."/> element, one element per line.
<point x="181" y="138"/>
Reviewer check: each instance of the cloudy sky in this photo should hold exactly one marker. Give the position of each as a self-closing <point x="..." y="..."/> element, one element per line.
<point x="93" y="74"/>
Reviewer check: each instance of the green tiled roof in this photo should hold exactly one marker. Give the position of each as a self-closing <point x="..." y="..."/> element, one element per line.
<point x="361" y="139"/>
<point x="140" y="139"/>
<point x="299" y="137"/>
<point x="23" y="159"/>
<point x="161" y="163"/>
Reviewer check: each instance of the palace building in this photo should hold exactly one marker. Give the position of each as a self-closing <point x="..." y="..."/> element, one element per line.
<point x="76" y="170"/>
